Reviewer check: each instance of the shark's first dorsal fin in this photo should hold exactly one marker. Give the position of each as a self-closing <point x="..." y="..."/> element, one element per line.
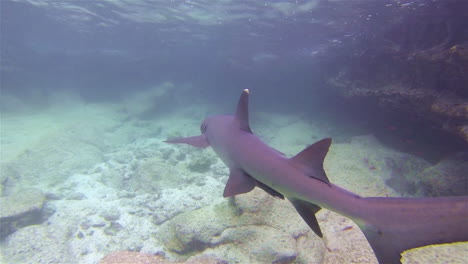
<point x="242" y="112"/>
<point x="310" y="160"/>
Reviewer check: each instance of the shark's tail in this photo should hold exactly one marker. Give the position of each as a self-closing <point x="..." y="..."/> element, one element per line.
<point x="393" y="225"/>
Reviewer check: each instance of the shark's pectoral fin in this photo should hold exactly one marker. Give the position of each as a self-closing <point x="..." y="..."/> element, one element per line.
<point x="238" y="182"/>
<point x="307" y="211"/>
<point x="196" y="141"/>
<point x="310" y="160"/>
<point x="269" y="190"/>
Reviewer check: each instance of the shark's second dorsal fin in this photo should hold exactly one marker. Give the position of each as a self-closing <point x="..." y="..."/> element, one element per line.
<point x="242" y="112"/>
<point x="310" y="160"/>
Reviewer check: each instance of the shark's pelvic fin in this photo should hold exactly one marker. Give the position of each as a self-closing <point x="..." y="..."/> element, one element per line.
<point x="242" y="112"/>
<point x="196" y="141"/>
<point x="307" y="211"/>
<point x="238" y="182"/>
<point x="310" y="160"/>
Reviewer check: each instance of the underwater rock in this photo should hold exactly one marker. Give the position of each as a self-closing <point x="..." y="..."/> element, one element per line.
<point x="253" y="203"/>
<point x="200" y="163"/>
<point x="446" y="178"/>
<point x="146" y="104"/>
<point x="454" y="253"/>
<point x="404" y="172"/>
<point x="206" y="259"/>
<point x="123" y="157"/>
<point x="193" y="231"/>
<point x="130" y="257"/>
<point x="152" y="175"/>
<point x="20" y="210"/>
<point x="167" y="152"/>
<point x="114" y="174"/>
<point x="37" y="244"/>
<point x="110" y="214"/>
<point x="171" y="202"/>
<point x="422" y="78"/>
<point x="51" y="161"/>
<point x="3" y="176"/>
<point x="267" y="230"/>
<point x="345" y="243"/>
<point x="266" y="244"/>
<point x="413" y="176"/>
<point x="113" y="229"/>
<point x="180" y="156"/>
<point x="463" y="131"/>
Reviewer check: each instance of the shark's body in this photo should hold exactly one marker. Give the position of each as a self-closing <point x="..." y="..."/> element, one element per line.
<point x="391" y="225"/>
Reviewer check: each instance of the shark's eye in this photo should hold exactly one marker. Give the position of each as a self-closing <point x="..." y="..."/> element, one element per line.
<point x="203" y="128"/>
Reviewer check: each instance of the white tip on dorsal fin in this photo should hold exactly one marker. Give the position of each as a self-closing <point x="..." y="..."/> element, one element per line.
<point x="242" y="113"/>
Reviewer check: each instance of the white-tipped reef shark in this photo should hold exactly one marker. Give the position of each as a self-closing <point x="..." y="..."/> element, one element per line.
<point x="391" y="225"/>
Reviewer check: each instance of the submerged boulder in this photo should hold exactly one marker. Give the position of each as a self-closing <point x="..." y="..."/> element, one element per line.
<point x="250" y="228"/>
<point x="19" y="210"/>
<point x="446" y="178"/>
<point x="454" y="253"/>
<point x="52" y="160"/>
<point x="153" y="175"/>
<point x="38" y="244"/>
<point x="130" y="257"/>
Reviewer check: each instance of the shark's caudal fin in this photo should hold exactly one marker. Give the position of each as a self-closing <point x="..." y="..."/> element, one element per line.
<point x="196" y="141"/>
<point x="392" y="225"/>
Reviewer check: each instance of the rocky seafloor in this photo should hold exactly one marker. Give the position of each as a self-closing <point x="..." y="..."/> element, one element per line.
<point x="88" y="183"/>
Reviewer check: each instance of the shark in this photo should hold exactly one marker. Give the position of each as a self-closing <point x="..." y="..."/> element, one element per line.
<point x="390" y="224"/>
